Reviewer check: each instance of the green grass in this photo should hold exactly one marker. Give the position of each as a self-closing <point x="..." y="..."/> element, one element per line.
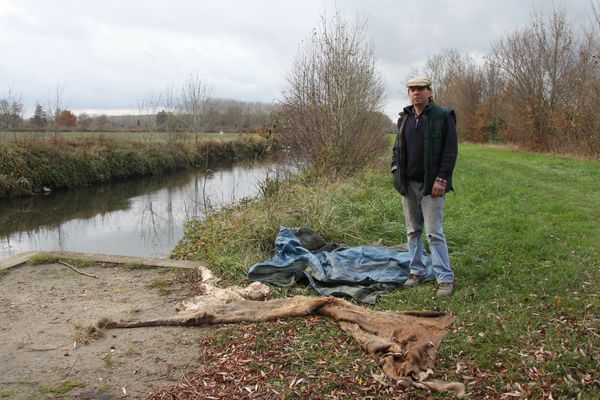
<point x="63" y="387"/>
<point x="43" y="258"/>
<point x="80" y="263"/>
<point x="131" y="352"/>
<point x="524" y="235"/>
<point x="107" y="361"/>
<point x="46" y="258"/>
<point x="134" y="265"/>
<point x="162" y="285"/>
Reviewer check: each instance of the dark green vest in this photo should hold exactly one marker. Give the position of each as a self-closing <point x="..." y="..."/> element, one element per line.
<point x="434" y="118"/>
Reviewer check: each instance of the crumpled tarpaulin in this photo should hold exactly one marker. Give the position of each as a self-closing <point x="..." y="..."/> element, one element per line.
<point x="362" y="273"/>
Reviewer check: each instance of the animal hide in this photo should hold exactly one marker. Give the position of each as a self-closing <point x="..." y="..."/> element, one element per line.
<point x="404" y="343"/>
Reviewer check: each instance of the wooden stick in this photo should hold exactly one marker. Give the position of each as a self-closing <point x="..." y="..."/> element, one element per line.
<point x="76" y="270"/>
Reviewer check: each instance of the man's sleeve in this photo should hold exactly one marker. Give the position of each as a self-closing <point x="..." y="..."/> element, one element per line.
<point x="450" y="152"/>
<point x="395" y="147"/>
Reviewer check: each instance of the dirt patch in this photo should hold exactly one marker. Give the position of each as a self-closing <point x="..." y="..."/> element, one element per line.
<point x="43" y="309"/>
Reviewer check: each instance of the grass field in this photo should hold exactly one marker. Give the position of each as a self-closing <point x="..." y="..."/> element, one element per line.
<point x="524" y="237"/>
<point x="11" y="137"/>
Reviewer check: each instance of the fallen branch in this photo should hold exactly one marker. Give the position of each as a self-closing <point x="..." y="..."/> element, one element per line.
<point x="76" y="270"/>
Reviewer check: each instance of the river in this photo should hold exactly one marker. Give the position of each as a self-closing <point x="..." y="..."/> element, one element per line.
<point x="143" y="217"/>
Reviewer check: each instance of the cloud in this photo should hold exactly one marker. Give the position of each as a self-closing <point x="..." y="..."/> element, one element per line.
<point x="11" y="9"/>
<point x="110" y="54"/>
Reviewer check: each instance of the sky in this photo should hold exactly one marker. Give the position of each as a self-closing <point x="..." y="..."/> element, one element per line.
<point x="107" y="56"/>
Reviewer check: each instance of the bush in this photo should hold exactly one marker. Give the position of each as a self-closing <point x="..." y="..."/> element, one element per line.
<point x="330" y="113"/>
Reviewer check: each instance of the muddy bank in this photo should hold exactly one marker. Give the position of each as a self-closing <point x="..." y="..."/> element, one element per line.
<point x="42" y="350"/>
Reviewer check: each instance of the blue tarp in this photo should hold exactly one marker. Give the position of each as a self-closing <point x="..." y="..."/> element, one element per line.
<point x="362" y="273"/>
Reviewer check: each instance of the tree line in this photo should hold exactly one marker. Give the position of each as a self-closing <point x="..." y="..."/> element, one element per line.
<point x="539" y="87"/>
<point x="220" y="115"/>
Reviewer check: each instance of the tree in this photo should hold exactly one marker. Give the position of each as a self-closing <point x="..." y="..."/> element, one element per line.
<point x="161" y="119"/>
<point x="588" y="118"/>
<point x="329" y="109"/>
<point x="159" y="111"/>
<point x="237" y="116"/>
<point x="40" y="118"/>
<point x="66" y="118"/>
<point x="154" y="120"/>
<point x="459" y="82"/>
<point x="102" y="123"/>
<point x="540" y="65"/>
<point x="193" y="103"/>
<point x="53" y="109"/>
<point x="11" y="112"/>
<point x="539" y="88"/>
<point x="84" y="121"/>
<point x="387" y="123"/>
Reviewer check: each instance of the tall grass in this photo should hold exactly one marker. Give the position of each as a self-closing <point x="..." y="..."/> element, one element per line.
<point x="32" y="166"/>
<point x="524" y="238"/>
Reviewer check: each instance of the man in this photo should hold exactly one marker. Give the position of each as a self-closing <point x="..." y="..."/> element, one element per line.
<point x="423" y="160"/>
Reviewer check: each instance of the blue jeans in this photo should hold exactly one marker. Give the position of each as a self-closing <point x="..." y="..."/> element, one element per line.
<point x="422" y="210"/>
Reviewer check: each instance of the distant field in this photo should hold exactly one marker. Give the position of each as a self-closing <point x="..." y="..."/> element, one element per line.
<point x="8" y="137"/>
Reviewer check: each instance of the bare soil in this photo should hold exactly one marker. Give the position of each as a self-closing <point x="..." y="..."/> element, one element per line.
<point x="43" y="309"/>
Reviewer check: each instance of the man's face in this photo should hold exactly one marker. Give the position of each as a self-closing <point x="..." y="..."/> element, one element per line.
<point x="419" y="96"/>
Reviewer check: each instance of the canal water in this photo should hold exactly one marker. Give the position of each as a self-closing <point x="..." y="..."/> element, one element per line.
<point x="143" y="217"/>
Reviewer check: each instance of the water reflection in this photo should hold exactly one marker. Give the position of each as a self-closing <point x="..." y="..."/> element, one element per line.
<point x="144" y="217"/>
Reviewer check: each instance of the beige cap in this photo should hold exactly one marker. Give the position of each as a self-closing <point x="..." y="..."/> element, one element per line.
<point x="419" y="81"/>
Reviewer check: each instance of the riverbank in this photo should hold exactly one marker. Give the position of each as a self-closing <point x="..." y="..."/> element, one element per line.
<point x="523" y="235"/>
<point x="31" y="167"/>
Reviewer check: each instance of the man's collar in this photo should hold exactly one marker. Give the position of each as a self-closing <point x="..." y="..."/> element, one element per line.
<point x="411" y="109"/>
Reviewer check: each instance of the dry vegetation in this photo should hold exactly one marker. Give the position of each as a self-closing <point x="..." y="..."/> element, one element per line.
<point x="330" y="113"/>
<point x="539" y="87"/>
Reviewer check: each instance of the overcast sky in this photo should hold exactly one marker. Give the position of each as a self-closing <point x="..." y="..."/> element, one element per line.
<point x="109" y="54"/>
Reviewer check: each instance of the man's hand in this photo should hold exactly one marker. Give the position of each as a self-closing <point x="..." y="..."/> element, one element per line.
<point x="439" y="187"/>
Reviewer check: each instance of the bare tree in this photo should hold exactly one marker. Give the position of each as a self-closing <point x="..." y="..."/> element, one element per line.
<point x="168" y="109"/>
<point x="11" y="112"/>
<point x="540" y="87"/>
<point x="84" y="121"/>
<point x="458" y="83"/>
<point x="329" y="110"/>
<point x="538" y="63"/>
<point x="53" y="109"/>
<point x="158" y="110"/>
<point x="475" y="89"/>
<point x="193" y="103"/>
<point x="489" y="121"/>
<point x="149" y="108"/>
<point x="238" y="116"/>
<point x="588" y="119"/>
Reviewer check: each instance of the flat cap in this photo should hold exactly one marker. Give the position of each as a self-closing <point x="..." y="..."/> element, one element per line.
<point x="419" y="81"/>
